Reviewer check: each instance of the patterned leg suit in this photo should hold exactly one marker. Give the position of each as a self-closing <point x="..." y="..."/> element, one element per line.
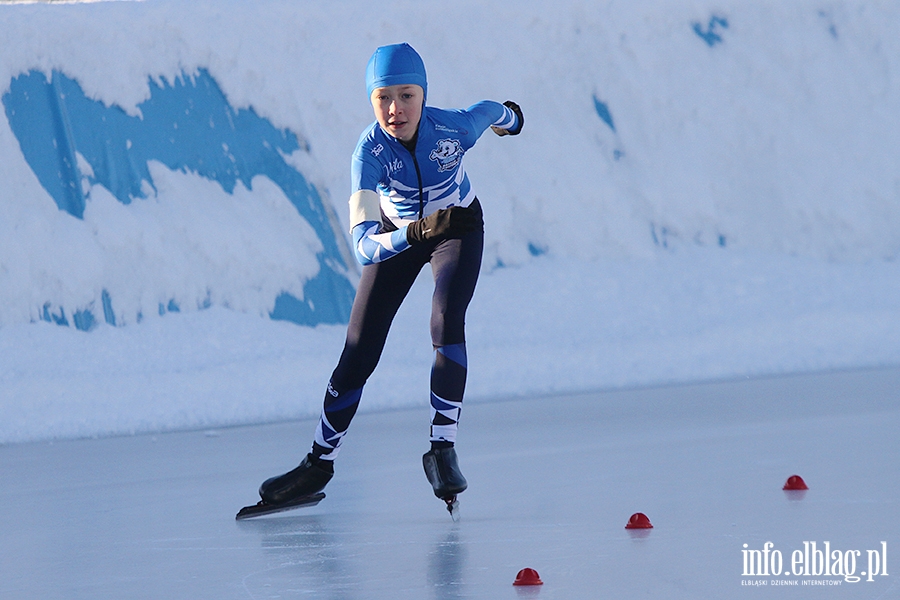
<point x="382" y="288"/>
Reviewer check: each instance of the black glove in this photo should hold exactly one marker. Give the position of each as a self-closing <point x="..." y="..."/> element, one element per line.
<point x="447" y="223"/>
<point x="516" y="109"/>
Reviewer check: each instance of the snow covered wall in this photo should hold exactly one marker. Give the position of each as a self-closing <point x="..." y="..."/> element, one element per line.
<point x="160" y="156"/>
<point x="702" y="190"/>
<point x="83" y="152"/>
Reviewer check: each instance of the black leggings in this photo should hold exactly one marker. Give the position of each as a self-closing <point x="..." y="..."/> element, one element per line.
<point x="383" y="286"/>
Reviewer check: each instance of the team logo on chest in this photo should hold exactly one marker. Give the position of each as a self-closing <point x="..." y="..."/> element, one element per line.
<point x="447" y="154"/>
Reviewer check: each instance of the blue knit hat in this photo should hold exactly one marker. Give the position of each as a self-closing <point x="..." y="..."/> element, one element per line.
<point x="397" y="64"/>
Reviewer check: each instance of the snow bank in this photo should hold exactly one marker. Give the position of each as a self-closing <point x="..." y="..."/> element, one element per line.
<point x="676" y="155"/>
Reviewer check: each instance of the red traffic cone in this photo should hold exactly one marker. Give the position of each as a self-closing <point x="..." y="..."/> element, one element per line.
<point x="528" y="577"/>
<point x="795" y="482"/>
<point x="638" y="521"/>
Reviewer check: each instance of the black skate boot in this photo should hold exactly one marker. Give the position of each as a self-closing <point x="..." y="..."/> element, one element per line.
<point x="310" y="477"/>
<point x="442" y="471"/>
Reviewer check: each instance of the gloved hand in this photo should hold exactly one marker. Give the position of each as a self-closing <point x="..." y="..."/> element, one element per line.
<point x="447" y="223"/>
<point x="516" y="109"/>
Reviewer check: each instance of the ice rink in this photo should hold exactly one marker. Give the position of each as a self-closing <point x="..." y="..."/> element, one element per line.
<point x="552" y="483"/>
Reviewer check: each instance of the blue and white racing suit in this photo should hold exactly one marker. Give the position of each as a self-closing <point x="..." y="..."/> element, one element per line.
<point x="394" y="184"/>
<point x="392" y="187"/>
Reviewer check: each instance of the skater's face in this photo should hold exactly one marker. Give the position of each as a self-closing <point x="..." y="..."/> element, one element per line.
<point x="398" y="109"/>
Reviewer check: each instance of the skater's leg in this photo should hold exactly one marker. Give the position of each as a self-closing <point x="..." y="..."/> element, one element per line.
<point x="456" y="264"/>
<point x="382" y="288"/>
<point x="338" y="410"/>
<point x="448" y="383"/>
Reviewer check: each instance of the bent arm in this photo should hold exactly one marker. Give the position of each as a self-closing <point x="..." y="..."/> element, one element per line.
<point x="488" y="113"/>
<point x="370" y="244"/>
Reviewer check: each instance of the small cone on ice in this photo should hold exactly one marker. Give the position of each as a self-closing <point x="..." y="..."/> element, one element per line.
<point x="639" y="521"/>
<point x="795" y="482"/>
<point x="528" y="577"/>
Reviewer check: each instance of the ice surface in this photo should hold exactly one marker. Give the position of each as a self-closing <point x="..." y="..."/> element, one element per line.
<point x="553" y="481"/>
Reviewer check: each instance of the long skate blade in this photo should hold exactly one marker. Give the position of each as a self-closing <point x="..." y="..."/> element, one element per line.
<point x="262" y="508"/>
<point x="453" y="508"/>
